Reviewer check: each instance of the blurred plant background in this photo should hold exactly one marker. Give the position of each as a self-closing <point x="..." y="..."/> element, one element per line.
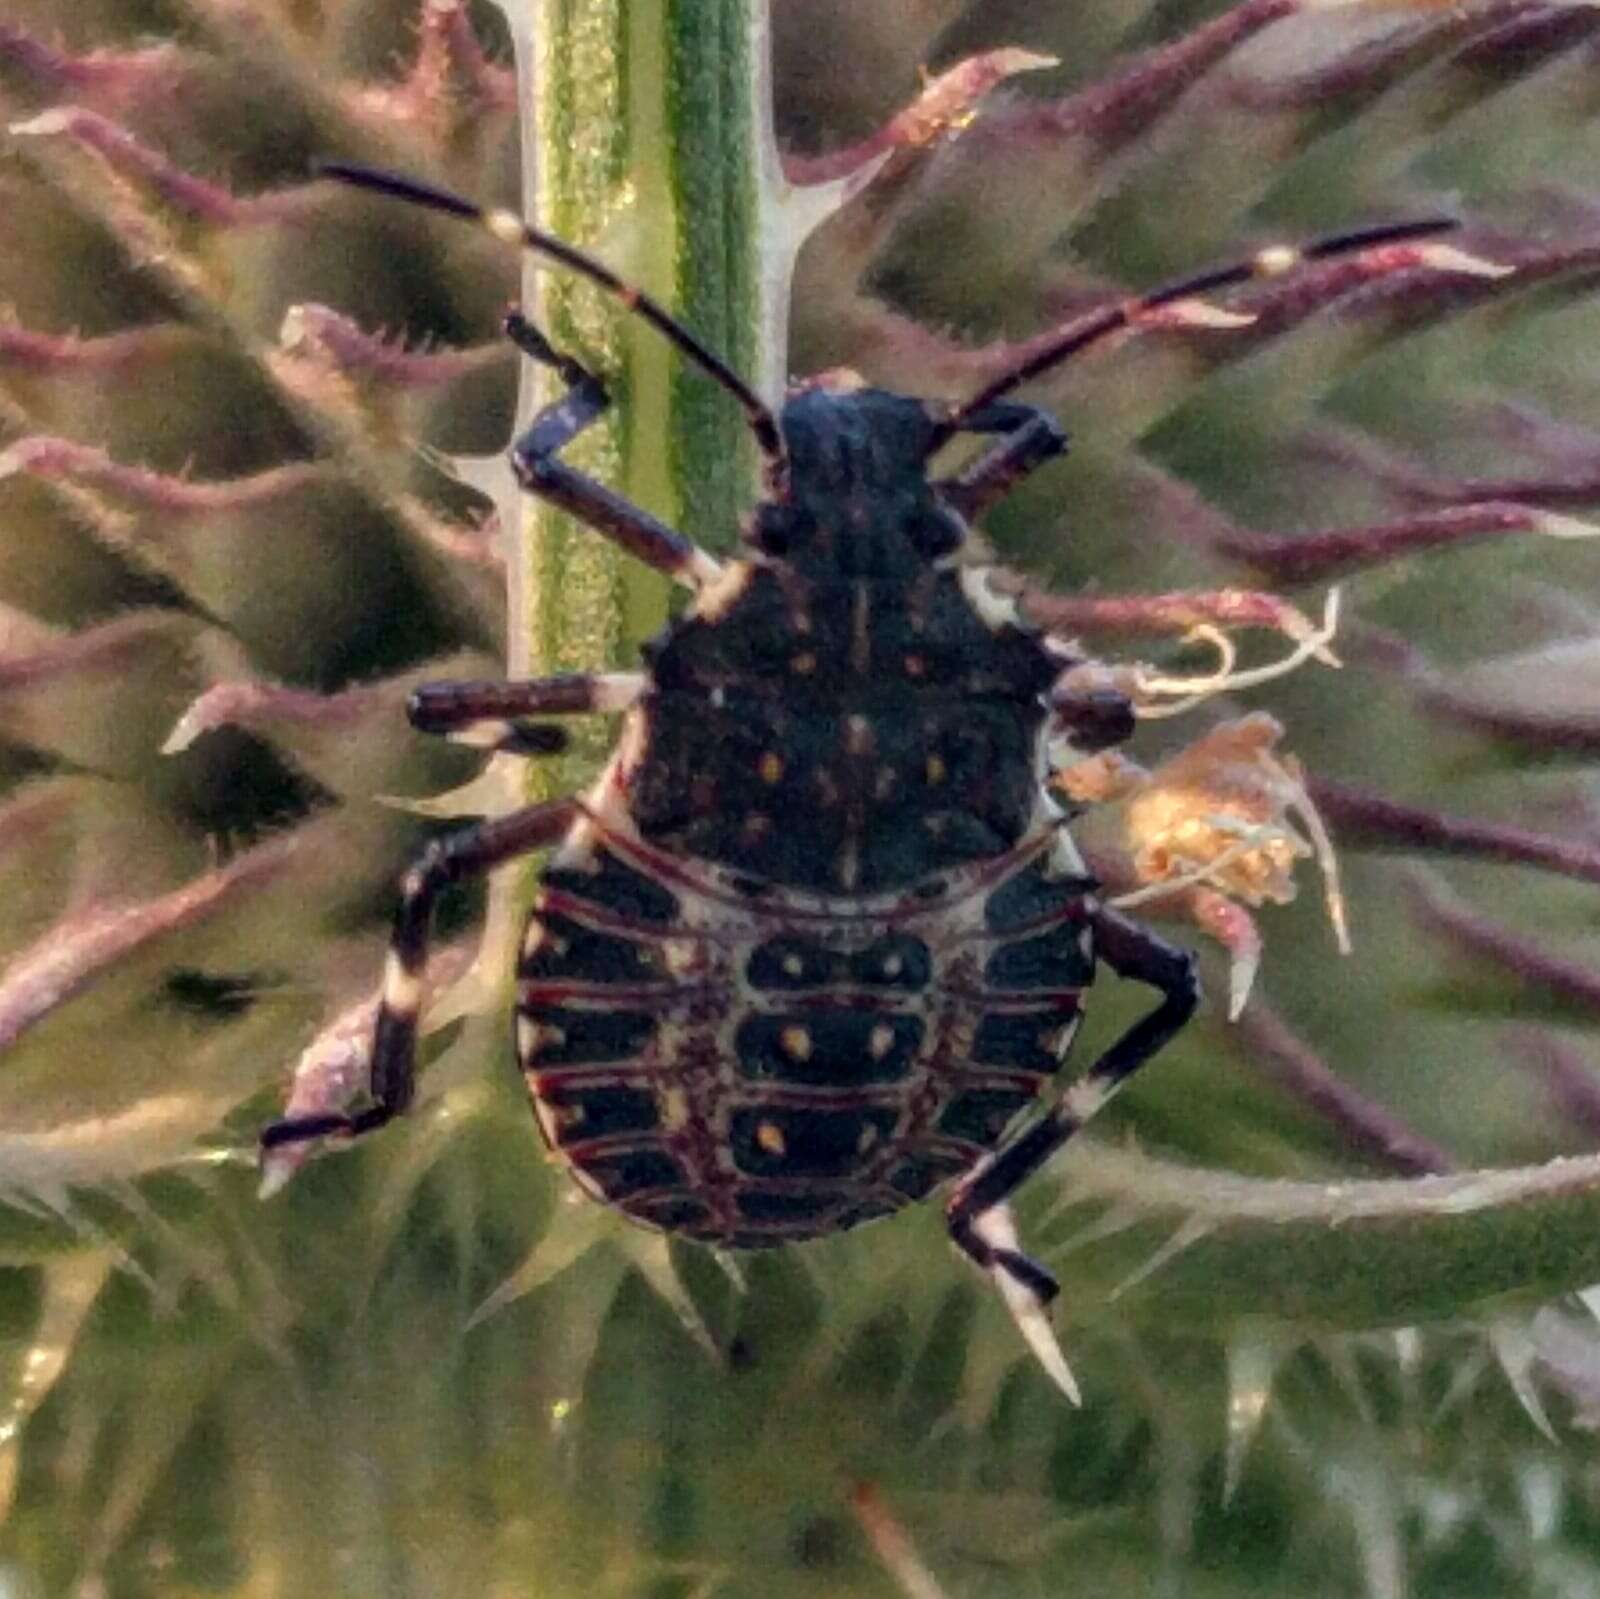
<point x="226" y="396"/>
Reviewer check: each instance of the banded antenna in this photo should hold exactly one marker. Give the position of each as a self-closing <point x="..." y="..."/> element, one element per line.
<point x="512" y="229"/>
<point x="1078" y="335"/>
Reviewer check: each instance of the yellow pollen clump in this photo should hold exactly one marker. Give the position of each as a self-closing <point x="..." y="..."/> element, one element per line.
<point x="936" y="770"/>
<point x="771" y="767"/>
<point x="880" y="1041"/>
<point x="770" y="1137"/>
<point x="803" y="664"/>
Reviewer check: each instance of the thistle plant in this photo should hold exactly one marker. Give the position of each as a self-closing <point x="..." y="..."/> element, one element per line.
<point x="1324" y="1266"/>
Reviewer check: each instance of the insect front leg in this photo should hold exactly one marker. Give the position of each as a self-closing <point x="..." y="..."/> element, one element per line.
<point x="1031" y="436"/>
<point x="489" y="715"/>
<point x="466" y="854"/>
<point x="1130" y="951"/>
<point x="1093" y="716"/>
<point x="533" y="459"/>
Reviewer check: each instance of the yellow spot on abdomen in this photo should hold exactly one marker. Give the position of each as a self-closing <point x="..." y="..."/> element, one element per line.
<point x="674" y="1109"/>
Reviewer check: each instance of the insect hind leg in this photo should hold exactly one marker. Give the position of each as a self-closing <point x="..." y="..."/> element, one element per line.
<point x="1130" y="951"/>
<point x="459" y="856"/>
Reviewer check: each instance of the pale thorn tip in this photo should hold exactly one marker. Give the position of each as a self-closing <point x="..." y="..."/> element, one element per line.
<point x="184" y="732"/>
<point x="1199" y="314"/>
<point x="275" y="1175"/>
<point x="1452" y="258"/>
<point x="1188" y="1232"/>
<point x="292" y="330"/>
<point x="1241" y="979"/>
<point x="46" y="123"/>
<point x="1020" y="60"/>
<point x="1554" y="526"/>
<point x="997" y="1229"/>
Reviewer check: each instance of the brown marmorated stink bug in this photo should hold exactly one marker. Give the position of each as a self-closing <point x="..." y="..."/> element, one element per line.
<point x="814" y="943"/>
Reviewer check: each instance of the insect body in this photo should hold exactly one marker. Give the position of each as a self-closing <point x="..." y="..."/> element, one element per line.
<point x="814" y="943"/>
<point x="817" y="937"/>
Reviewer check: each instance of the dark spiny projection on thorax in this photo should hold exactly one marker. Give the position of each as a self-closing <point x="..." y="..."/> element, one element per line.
<point x="710" y="1043"/>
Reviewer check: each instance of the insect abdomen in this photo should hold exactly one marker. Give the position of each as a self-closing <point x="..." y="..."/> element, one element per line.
<point x="763" y="1080"/>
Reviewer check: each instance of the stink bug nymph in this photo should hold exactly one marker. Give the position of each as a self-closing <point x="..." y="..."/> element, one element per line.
<point x="815" y="941"/>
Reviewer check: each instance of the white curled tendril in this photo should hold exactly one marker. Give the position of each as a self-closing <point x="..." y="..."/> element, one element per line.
<point x="1193" y="691"/>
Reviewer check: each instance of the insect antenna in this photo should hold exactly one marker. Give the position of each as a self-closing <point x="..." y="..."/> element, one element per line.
<point x="1275" y="260"/>
<point x="511" y="228"/>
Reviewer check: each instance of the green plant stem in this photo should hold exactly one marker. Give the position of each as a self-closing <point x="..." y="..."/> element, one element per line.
<point x="646" y="148"/>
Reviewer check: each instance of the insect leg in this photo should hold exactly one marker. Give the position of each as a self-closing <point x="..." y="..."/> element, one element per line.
<point x="487" y="715"/>
<point x="468" y="853"/>
<point x="533" y="459"/>
<point x="1094" y="718"/>
<point x="1031" y="436"/>
<point x="1130" y="951"/>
